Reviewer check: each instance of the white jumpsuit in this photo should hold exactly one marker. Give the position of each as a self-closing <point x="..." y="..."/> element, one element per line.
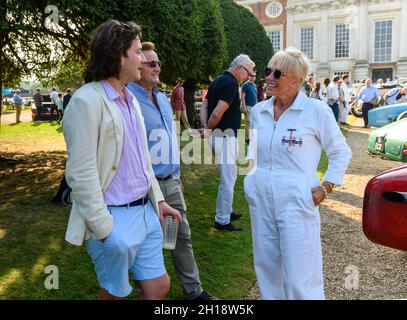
<point x="285" y="222"/>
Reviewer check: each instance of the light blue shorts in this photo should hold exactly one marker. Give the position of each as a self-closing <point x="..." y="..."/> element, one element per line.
<point x="134" y="245"/>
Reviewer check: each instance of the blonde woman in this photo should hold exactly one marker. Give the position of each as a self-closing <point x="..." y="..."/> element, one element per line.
<point x="283" y="190"/>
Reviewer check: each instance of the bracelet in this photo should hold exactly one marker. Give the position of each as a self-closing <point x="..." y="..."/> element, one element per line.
<point x="325" y="191"/>
<point x="329" y="186"/>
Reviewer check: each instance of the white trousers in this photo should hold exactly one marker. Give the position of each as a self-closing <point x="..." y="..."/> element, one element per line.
<point x="345" y="112"/>
<point x="225" y="150"/>
<point x="286" y="237"/>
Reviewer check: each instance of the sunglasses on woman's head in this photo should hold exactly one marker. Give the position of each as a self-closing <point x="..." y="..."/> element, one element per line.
<point x="277" y="74"/>
<point x="152" y="64"/>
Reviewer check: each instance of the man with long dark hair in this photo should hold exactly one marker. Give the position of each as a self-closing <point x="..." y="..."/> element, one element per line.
<point x="117" y="203"/>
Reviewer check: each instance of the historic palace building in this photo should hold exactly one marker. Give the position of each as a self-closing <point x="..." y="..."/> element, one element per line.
<point x="361" y="37"/>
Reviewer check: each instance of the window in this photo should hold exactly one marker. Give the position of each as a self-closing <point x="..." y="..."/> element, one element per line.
<point x="383" y="41"/>
<point x="342" y="41"/>
<point x="341" y="73"/>
<point x="274" y="9"/>
<point x="307" y="42"/>
<point x="275" y="38"/>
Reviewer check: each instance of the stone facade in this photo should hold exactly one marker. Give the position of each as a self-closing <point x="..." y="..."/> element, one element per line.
<point x="359" y="37"/>
<point x="273" y="24"/>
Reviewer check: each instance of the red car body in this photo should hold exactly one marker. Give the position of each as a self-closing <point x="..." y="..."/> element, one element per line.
<point x="385" y="209"/>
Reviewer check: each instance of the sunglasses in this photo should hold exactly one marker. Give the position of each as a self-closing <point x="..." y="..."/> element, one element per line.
<point x="277" y="74"/>
<point x="248" y="72"/>
<point x="153" y="64"/>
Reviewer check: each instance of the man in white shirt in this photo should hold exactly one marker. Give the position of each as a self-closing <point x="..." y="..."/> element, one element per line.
<point x="345" y="87"/>
<point x="396" y="95"/>
<point x="54" y="97"/>
<point x="333" y="96"/>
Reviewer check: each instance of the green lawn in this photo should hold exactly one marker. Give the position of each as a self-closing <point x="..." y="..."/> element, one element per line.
<point x="30" y="136"/>
<point x="32" y="228"/>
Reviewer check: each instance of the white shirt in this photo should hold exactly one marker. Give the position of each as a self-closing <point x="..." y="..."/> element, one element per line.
<point x="311" y="127"/>
<point x="333" y="92"/>
<point x="345" y="91"/>
<point x="59" y="103"/>
<point x="54" y="96"/>
<point x="324" y="93"/>
<point x="392" y="96"/>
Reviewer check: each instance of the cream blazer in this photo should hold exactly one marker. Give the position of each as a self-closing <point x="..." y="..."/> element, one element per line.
<point x="93" y="132"/>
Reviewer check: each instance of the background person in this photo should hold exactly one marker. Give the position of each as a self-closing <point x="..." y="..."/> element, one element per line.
<point x="283" y="190"/>
<point x="260" y="90"/>
<point x="67" y="97"/>
<point x="396" y="95"/>
<point x="222" y="106"/>
<point x="38" y="104"/>
<point x="379" y="83"/>
<point x="368" y="94"/>
<point x="316" y="91"/>
<point x="346" y="87"/>
<point x="54" y="97"/>
<point x="60" y="107"/>
<point x="333" y="95"/>
<point x="324" y="90"/>
<point x="341" y="103"/>
<point x="178" y="104"/>
<point x="18" y="102"/>
<point x="249" y="99"/>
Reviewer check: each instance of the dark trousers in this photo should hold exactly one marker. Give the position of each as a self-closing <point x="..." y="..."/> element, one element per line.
<point x="54" y="108"/>
<point x="61" y="114"/>
<point x="335" y="110"/>
<point x="366" y="106"/>
<point x="39" y="113"/>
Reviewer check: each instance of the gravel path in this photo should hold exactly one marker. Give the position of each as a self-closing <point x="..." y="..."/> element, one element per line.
<point x="9" y="116"/>
<point x="354" y="267"/>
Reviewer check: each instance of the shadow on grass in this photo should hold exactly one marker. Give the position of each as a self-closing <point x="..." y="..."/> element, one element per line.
<point x="32" y="231"/>
<point x="51" y="124"/>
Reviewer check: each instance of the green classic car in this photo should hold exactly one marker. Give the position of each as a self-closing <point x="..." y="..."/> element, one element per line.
<point x="390" y="142"/>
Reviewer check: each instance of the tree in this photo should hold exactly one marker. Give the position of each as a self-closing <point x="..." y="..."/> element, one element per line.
<point x="34" y="40"/>
<point x="175" y="28"/>
<point x="24" y="40"/>
<point x="69" y="73"/>
<point x="214" y="51"/>
<point x="190" y="36"/>
<point x="245" y="34"/>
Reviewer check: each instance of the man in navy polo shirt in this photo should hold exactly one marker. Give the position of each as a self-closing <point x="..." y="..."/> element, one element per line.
<point x="249" y="99"/>
<point x="224" y="118"/>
